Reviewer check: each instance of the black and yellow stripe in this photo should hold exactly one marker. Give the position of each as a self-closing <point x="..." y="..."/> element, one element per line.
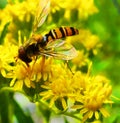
<point x="60" y="32"/>
<point x="25" y="53"/>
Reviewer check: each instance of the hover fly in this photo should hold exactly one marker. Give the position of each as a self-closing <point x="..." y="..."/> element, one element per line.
<point x="51" y="44"/>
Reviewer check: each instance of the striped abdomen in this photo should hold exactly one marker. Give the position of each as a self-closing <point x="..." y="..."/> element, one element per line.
<point x="60" y="32"/>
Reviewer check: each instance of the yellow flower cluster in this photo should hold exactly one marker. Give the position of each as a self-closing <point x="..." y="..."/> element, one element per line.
<point x="8" y="51"/>
<point x="15" y="14"/>
<point x="87" y="39"/>
<point x="94" y="96"/>
<point x="51" y="79"/>
<point x="87" y="93"/>
<point x="84" y="7"/>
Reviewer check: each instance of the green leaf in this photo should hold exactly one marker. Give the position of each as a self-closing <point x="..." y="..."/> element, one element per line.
<point x="66" y="120"/>
<point x="3" y="3"/>
<point x="5" y="112"/>
<point x="4" y="32"/>
<point x="45" y="111"/>
<point x="20" y="115"/>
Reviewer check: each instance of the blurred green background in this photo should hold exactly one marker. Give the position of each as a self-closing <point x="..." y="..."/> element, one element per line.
<point x="106" y="24"/>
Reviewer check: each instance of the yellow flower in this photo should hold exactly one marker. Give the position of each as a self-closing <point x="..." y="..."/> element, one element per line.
<point x="81" y="59"/>
<point x="84" y="7"/>
<point x="78" y="82"/>
<point x="18" y="15"/>
<point x="21" y="10"/>
<point x="89" y="41"/>
<point x="58" y="87"/>
<point x="42" y="68"/>
<point x="69" y="4"/>
<point x="54" y="6"/>
<point x="87" y="7"/>
<point x="6" y="56"/>
<point x="21" y="74"/>
<point x="95" y="95"/>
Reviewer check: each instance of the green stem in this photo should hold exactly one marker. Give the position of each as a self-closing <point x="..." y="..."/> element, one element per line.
<point x="71" y="114"/>
<point x="4" y="89"/>
<point x="5" y="107"/>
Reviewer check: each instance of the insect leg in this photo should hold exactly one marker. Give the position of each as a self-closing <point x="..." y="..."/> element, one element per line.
<point x="42" y="63"/>
<point x="68" y="66"/>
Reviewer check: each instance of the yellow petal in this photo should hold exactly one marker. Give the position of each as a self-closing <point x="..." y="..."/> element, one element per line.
<point x="64" y="104"/>
<point x="18" y="85"/>
<point x="86" y="116"/>
<point x="77" y="106"/>
<point x="84" y="110"/>
<point x="104" y="112"/>
<point x="52" y="101"/>
<point x="96" y="115"/>
<point x="12" y="82"/>
<point x="90" y="114"/>
<point x="3" y="72"/>
<point x="45" y="76"/>
<point x="27" y="82"/>
<point x="38" y="77"/>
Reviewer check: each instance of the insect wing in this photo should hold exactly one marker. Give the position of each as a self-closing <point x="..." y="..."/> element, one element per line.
<point x="55" y="43"/>
<point x="42" y="13"/>
<point x="65" y="52"/>
<point x="60" y="50"/>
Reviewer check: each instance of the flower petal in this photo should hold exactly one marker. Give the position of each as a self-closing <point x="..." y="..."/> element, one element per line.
<point x="104" y="112"/>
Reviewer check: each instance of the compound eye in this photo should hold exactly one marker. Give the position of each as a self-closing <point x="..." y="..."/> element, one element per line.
<point x="23" y="56"/>
<point x="21" y="50"/>
<point x="21" y="53"/>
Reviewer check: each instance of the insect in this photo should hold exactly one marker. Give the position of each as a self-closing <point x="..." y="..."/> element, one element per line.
<point x="51" y="44"/>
